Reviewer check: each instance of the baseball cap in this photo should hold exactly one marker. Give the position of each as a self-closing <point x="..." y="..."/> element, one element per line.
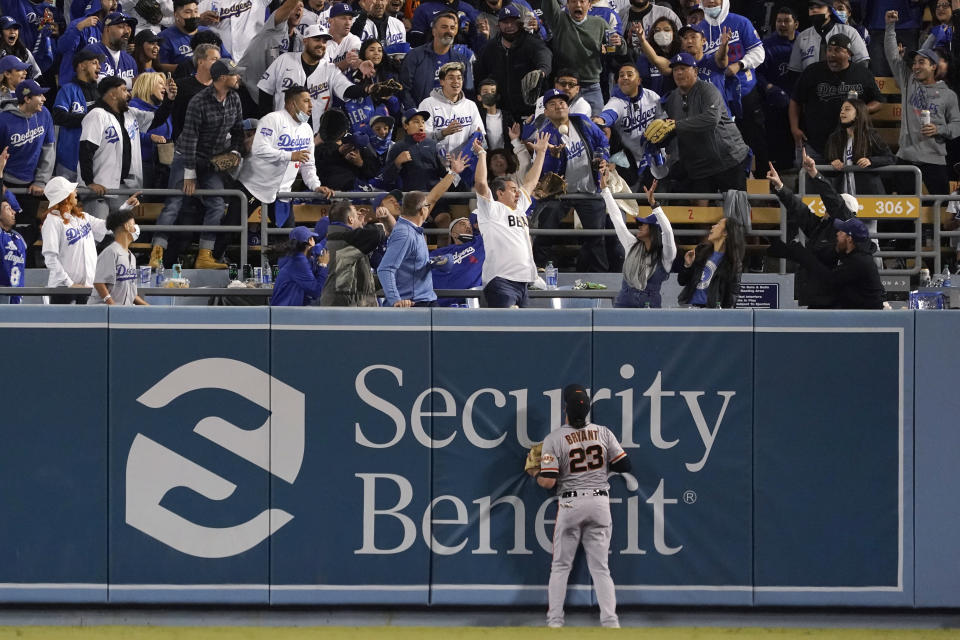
<point x="12" y="201"/>
<point x="684" y="30"/>
<point x="853" y="228"/>
<point x="58" y="188"/>
<point x="250" y="124"/>
<point x="87" y="53"/>
<point x="396" y="194"/>
<point x="508" y="12"/>
<point x="851" y="203"/>
<point x="29" y="88"/>
<point x="11" y="63"/>
<point x="316" y="31"/>
<point x="6" y="22"/>
<point x="302" y="234"/>
<point x="118" y="17"/>
<point x="341" y="9"/>
<point x="110" y="82"/>
<point x="555" y="93"/>
<point x="387" y="120"/>
<point x="576" y="401"/>
<point x="839" y="40"/>
<point x="650" y="219"/>
<point x="412" y="112"/>
<point x="684" y="59"/>
<point x="225" y="67"/>
<point x="145" y="36"/>
<point x="929" y="54"/>
<point x="819" y="3"/>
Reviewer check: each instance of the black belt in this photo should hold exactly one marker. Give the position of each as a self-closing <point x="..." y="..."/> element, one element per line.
<point x="588" y="492"/>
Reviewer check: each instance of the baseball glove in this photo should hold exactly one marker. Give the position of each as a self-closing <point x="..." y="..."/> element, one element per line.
<point x="149" y="10"/>
<point x="550" y="185"/>
<point x="659" y="131"/>
<point x="225" y="161"/>
<point x="530" y="86"/>
<point x="532" y="464"/>
<point x="385" y="89"/>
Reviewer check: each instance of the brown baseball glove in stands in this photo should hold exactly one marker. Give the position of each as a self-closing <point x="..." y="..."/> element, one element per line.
<point x="385" y="89"/>
<point x="532" y="464"/>
<point x="659" y="131"/>
<point x="225" y="161"/>
<point x="550" y="185"/>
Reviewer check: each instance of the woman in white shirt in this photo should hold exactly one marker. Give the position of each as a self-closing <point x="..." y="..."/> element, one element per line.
<point x="649" y="253"/>
<point x="70" y="239"/>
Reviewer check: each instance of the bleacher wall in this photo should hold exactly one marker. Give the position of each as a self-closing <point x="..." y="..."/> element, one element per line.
<point x="316" y="456"/>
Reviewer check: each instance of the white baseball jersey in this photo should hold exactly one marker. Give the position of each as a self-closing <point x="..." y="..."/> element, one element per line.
<point x="310" y="17"/>
<point x="396" y="33"/>
<point x="632" y="118"/>
<point x="101" y="128"/>
<point x="336" y="52"/>
<point x="580" y="456"/>
<point x="506" y="239"/>
<point x="269" y="169"/>
<point x="325" y="81"/>
<point x="443" y="112"/>
<point x="240" y="20"/>
<point x="70" y="248"/>
<point x="806" y="46"/>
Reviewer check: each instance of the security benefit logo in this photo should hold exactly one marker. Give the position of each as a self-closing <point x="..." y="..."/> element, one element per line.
<point x="153" y="470"/>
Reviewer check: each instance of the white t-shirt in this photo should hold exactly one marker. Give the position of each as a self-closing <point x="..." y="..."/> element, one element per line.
<point x="116" y="268"/>
<point x="579" y="174"/>
<point x="240" y="20"/>
<point x="495" y="130"/>
<point x="70" y="248"/>
<point x="506" y="239"/>
<point x="325" y="82"/>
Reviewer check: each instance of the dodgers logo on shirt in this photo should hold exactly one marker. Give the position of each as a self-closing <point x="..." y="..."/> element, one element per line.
<point x="291" y="143"/>
<point x="185" y="49"/>
<point x="76" y="234"/>
<point x="236" y="10"/>
<point x="20" y="139"/>
<point x="110" y="135"/>
<point x="316" y="89"/>
<point x="264" y="131"/>
<point x="575" y="149"/>
<point x="76" y="107"/>
<point x="124" y="274"/>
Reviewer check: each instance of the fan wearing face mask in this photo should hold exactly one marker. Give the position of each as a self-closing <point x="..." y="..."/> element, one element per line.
<point x="811" y="44"/>
<point x="654" y="54"/>
<point x="641" y="16"/>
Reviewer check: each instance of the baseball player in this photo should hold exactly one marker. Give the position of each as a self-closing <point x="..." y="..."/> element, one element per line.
<point x="236" y="22"/>
<point x="309" y="69"/>
<point x="576" y="459"/>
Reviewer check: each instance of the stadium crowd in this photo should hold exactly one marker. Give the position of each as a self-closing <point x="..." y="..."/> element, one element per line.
<point x="515" y="101"/>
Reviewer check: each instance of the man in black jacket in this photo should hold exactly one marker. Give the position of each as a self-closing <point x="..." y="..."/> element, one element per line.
<point x="820" y="233"/>
<point x="514" y="59"/>
<point x="413" y="163"/>
<point x="854" y="278"/>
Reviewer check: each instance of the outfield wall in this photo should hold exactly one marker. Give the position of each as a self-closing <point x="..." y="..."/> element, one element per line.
<point x="314" y="456"/>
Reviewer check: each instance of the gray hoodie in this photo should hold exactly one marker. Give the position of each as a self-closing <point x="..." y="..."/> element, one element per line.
<point x="938" y="98"/>
<point x="48" y="155"/>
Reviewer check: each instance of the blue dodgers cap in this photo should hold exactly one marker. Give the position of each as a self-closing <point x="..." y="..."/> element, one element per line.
<point x="302" y="234"/>
<point x="555" y="93"/>
<point x="650" y="219"/>
<point x="853" y="228"/>
<point x="929" y="54"/>
<point x="12" y="201"/>
<point x="683" y="58"/>
<point x="396" y="194"/>
<point x="341" y="9"/>
<point x="28" y="88"/>
<point x="509" y="11"/>
<point x="118" y="17"/>
<point x="12" y="63"/>
<point x="6" y="22"/>
<point x="413" y="112"/>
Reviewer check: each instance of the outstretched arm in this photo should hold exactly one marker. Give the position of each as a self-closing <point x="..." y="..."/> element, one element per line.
<point x="457" y="164"/>
<point x="480" y="186"/>
<point x="533" y="175"/>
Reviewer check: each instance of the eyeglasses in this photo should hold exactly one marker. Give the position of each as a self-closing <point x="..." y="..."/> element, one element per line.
<point x="943" y="5"/>
<point x="567" y="84"/>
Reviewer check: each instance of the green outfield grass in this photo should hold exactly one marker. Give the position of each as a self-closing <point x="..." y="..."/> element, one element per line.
<point x="460" y="633"/>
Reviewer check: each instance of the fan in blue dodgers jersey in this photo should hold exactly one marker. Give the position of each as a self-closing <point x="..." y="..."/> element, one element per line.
<point x="575" y="459"/>
<point x="282" y="146"/>
<point x="13" y="250"/>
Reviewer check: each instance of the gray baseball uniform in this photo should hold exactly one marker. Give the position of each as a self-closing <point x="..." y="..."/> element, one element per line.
<point x="580" y="457"/>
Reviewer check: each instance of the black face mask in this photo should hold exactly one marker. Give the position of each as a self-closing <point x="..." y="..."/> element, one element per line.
<point x="190" y="24"/>
<point x="818" y="20"/>
<point x="488" y="99"/>
<point x="639" y="5"/>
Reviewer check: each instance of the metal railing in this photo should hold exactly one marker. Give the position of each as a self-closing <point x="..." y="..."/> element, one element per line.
<point x="83" y="193"/>
<point x="918" y="252"/>
<point x="939" y="233"/>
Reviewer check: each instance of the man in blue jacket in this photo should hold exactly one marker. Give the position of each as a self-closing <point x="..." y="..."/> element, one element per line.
<point x="73" y="102"/>
<point x="81" y="32"/>
<point x="418" y="75"/>
<point x="117" y="29"/>
<point x="578" y="151"/>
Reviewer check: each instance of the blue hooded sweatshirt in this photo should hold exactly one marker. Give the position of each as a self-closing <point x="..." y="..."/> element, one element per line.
<point x="297" y="283"/>
<point x="31" y="144"/>
<point x="73" y="39"/>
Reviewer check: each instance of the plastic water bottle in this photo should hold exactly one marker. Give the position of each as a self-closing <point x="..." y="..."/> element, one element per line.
<point x="550" y="275"/>
<point x="158" y="282"/>
<point x="946" y="277"/>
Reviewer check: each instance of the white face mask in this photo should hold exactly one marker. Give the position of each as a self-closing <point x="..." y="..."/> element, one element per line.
<point x="302" y="117"/>
<point x="136" y="232"/>
<point x="843" y="16"/>
<point x="713" y="12"/>
<point x="663" y="38"/>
